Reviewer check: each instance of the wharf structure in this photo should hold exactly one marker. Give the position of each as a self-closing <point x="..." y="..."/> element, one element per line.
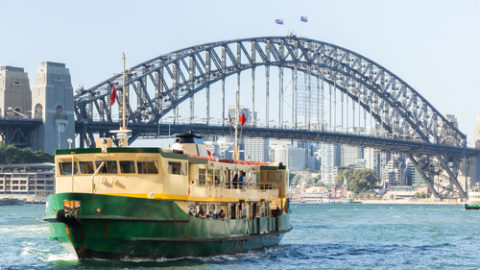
<point x="31" y="182"/>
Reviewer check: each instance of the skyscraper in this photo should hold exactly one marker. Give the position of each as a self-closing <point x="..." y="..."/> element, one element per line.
<point x="476" y="133"/>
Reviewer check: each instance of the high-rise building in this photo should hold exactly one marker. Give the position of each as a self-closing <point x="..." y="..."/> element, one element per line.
<point x="476" y="132"/>
<point x="330" y="156"/>
<point x="256" y="149"/>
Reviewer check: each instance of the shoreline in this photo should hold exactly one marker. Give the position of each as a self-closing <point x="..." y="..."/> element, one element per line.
<point x="392" y="202"/>
<point x="415" y="202"/>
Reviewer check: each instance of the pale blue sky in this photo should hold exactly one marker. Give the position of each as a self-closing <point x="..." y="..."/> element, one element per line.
<point x="432" y="45"/>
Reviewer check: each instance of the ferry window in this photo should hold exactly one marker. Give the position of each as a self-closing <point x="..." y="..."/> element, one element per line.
<point x="227" y="178"/>
<point x="86" y="167"/>
<point x="66" y="168"/>
<point x="192" y="210"/>
<point x="274" y="176"/>
<point x="147" y="167"/>
<point x="211" y="209"/>
<point x="232" y="211"/>
<point x="210" y="177"/>
<point x="175" y="168"/>
<point x="201" y="177"/>
<point x="110" y="166"/>
<point x="217" y="177"/>
<point x="127" y="166"/>
<point x="203" y="209"/>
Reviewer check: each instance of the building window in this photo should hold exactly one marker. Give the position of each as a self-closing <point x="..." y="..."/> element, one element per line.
<point x="147" y="167"/>
<point x="127" y="166"/>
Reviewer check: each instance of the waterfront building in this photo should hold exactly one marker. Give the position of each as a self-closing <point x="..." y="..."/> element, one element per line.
<point x="33" y="182"/>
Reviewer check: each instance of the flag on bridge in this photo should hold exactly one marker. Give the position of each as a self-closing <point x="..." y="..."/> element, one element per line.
<point x="304" y="19"/>
<point x="113" y="95"/>
<point x="279" y="21"/>
<point x="242" y="119"/>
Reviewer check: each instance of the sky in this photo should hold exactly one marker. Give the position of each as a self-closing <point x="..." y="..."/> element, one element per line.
<point x="432" y="45"/>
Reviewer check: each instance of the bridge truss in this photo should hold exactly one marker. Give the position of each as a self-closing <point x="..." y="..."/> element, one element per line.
<point x="395" y="110"/>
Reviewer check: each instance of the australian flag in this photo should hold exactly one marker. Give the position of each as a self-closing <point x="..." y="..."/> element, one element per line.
<point x="279" y="21"/>
<point x="304" y="19"/>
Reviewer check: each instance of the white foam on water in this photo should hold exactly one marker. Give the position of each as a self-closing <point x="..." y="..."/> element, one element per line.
<point x="27" y="251"/>
<point x="66" y="256"/>
<point x="23" y="229"/>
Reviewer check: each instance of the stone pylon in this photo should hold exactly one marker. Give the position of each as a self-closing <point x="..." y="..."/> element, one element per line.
<point x="52" y="102"/>
<point x="15" y="94"/>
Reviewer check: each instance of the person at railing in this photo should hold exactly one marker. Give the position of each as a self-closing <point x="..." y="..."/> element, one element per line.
<point x="235" y="180"/>
<point x="242" y="179"/>
<point x="276" y="212"/>
<point x="221" y="215"/>
<point x="201" y="213"/>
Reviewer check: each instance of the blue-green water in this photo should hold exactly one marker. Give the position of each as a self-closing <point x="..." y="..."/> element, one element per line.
<point x="325" y="236"/>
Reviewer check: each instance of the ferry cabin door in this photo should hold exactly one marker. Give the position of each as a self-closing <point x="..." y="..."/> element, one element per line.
<point x="192" y="169"/>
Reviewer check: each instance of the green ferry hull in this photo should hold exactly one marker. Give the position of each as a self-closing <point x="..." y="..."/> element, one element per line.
<point x="107" y="226"/>
<point x="472" y="206"/>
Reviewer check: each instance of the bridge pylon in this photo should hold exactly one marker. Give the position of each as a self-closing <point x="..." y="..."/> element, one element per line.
<point x="53" y="104"/>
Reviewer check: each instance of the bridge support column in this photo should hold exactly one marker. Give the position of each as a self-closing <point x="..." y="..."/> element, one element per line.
<point x="436" y="167"/>
<point x="53" y="104"/>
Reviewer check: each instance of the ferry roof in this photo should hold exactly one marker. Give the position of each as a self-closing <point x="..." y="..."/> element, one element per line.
<point x="167" y="154"/>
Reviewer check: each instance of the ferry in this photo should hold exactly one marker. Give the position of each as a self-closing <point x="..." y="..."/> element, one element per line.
<point x="474" y="201"/>
<point x="131" y="202"/>
<point x="11" y="201"/>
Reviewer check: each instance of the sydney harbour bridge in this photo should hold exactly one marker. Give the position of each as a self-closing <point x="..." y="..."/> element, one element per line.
<point x="295" y="88"/>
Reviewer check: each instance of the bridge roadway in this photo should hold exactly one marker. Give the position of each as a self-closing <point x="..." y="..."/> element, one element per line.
<point x="383" y="144"/>
<point x="19" y="123"/>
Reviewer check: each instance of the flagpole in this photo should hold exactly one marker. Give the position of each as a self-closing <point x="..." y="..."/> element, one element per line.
<point x="235" y="147"/>
<point x="122" y="133"/>
<point x="123" y="94"/>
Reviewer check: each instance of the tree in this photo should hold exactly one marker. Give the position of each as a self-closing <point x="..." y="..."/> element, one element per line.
<point x="357" y="181"/>
<point x="10" y="154"/>
<point x="348" y="174"/>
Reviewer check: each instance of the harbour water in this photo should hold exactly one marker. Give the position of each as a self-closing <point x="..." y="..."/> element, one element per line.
<point x="325" y="236"/>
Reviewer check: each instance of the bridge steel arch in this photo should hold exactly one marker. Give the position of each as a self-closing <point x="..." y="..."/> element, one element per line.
<point x="179" y="75"/>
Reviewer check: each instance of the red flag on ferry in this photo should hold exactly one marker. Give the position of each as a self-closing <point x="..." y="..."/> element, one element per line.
<point x="243" y="119"/>
<point x="113" y="95"/>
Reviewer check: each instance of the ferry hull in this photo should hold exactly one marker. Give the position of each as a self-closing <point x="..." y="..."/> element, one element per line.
<point x="114" y="227"/>
<point x="472" y="206"/>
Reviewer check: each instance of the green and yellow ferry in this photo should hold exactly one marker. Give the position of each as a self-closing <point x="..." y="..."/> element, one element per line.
<point x="116" y="202"/>
<point x="149" y="202"/>
<point x="473" y="200"/>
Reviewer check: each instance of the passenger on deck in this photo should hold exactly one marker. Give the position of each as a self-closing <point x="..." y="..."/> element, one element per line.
<point x="276" y="212"/>
<point x="235" y="180"/>
<point x="214" y="216"/>
<point x="221" y="215"/>
<point x="242" y="178"/>
<point x="201" y="213"/>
